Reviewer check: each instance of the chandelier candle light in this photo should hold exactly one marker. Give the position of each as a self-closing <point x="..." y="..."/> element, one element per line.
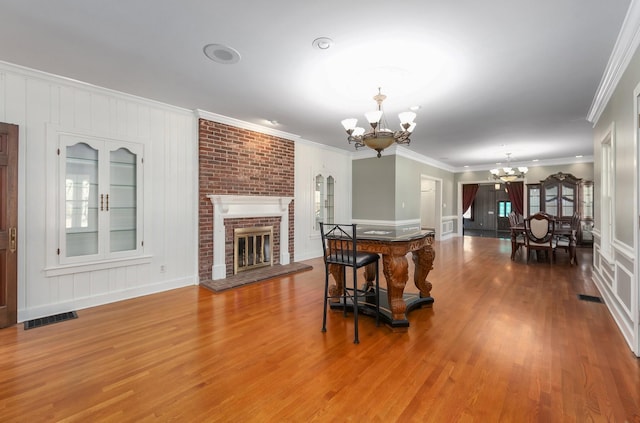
<point x="507" y="173"/>
<point x="379" y="136"/>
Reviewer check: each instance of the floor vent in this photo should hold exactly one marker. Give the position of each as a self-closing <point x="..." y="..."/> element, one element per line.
<point x="36" y="323"/>
<point x="589" y="298"/>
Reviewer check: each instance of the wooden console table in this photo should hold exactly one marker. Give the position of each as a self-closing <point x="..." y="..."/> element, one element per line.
<point x="394" y="243"/>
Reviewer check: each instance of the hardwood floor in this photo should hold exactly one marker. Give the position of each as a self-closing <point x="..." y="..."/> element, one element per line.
<point x="504" y="341"/>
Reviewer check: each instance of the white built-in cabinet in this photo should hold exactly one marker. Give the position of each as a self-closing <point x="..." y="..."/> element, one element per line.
<point x="100" y="199"/>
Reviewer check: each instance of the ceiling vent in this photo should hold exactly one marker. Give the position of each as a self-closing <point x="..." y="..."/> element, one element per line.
<point x="221" y="54"/>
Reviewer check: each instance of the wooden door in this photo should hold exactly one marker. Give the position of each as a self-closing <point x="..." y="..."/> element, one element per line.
<point x="503" y="208"/>
<point x="8" y="224"/>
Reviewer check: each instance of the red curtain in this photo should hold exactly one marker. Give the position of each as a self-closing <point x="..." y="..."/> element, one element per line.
<point x="468" y="195"/>
<point x="516" y="195"/>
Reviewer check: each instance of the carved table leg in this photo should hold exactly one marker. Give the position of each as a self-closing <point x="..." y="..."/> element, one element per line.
<point x="423" y="260"/>
<point x="336" y="290"/>
<point x="396" y="273"/>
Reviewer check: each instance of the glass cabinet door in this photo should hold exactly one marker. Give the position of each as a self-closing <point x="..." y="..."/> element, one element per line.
<point x="534" y="198"/>
<point x="318" y="201"/>
<point x="551" y="200"/>
<point x="329" y="201"/>
<point x="81" y="200"/>
<point x="122" y="200"/>
<point x="568" y="200"/>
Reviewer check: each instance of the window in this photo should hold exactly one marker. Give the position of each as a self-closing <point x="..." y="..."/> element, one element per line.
<point x="101" y="199"/>
<point x="504" y="208"/>
<point x="469" y="213"/>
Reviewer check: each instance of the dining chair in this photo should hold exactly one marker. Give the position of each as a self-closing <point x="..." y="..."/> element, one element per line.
<point x="539" y="234"/>
<point x="517" y="236"/>
<point x="567" y="241"/>
<point x="339" y="243"/>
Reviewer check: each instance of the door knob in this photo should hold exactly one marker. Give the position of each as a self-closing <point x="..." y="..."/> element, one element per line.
<point x="12" y="240"/>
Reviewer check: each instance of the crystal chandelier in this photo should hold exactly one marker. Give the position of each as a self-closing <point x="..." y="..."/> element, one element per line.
<point x="379" y="136"/>
<point x="507" y="173"/>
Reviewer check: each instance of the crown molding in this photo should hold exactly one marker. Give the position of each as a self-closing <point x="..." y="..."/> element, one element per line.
<point x="623" y="51"/>
<point x="401" y="151"/>
<point x="203" y="114"/>
<point x="26" y="72"/>
<point x="561" y="161"/>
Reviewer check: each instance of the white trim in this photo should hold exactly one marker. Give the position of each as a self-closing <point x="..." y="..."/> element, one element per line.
<point x="409" y="154"/>
<point x="623" y="51"/>
<point x="195" y="182"/>
<point x="550" y="162"/>
<point x="636" y="224"/>
<point x="620" y="268"/>
<point x="399" y="150"/>
<point x="448" y="236"/>
<point x="614" y="308"/>
<point x="623" y="250"/>
<point x="324" y="146"/>
<point x="101" y="299"/>
<point x="240" y="206"/>
<point x="606" y="245"/>
<point x="214" y="117"/>
<point x="70" y="269"/>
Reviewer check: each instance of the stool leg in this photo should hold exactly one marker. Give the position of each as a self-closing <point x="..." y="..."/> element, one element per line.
<point x="344" y="290"/>
<point x="355" y="304"/>
<point x="377" y="295"/>
<point x="326" y="295"/>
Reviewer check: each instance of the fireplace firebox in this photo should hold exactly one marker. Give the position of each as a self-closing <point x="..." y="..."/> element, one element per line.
<point x="252" y="248"/>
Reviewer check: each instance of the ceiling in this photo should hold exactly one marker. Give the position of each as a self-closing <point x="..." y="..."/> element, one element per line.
<point x="490" y="78"/>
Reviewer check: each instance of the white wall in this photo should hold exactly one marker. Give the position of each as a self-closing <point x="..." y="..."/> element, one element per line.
<point x="615" y="114"/>
<point x="310" y="160"/>
<point x="36" y="101"/>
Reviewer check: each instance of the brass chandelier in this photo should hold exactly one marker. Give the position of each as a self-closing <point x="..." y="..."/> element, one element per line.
<point x="379" y="136"/>
<point x="507" y="173"/>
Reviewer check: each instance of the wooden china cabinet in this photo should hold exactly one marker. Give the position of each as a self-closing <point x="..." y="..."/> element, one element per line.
<point x="561" y="195"/>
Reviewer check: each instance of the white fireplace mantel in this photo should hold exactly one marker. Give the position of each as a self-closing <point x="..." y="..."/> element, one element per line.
<point x="246" y="206"/>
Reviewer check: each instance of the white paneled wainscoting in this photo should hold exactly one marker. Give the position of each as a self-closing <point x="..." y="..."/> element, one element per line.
<point x="45" y="106"/>
<point x="614" y="276"/>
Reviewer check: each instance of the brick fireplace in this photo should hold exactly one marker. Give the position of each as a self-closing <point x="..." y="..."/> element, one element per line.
<point x="239" y="166"/>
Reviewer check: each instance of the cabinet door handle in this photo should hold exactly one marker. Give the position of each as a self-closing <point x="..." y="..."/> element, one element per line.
<point x="12" y="240"/>
<point x="101" y="202"/>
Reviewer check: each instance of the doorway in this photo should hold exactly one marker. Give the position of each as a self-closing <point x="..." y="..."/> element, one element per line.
<point x="489" y="215"/>
<point x="8" y="224"/>
<point x="431" y="204"/>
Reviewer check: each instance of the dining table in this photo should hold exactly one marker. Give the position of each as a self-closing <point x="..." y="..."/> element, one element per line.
<point x="561" y="228"/>
<point x="394" y="243"/>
